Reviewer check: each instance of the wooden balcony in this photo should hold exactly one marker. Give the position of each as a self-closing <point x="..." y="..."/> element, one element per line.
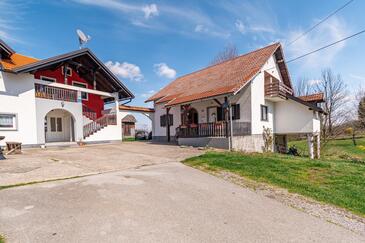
<point x="55" y="93"/>
<point x="213" y="129"/>
<point x="275" y="89"/>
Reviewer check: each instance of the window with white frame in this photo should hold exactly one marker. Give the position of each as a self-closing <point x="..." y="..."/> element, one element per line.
<point x="84" y="95"/>
<point x="264" y="113"/>
<point x="48" y="79"/>
<point x="68" y="72"/>
<point x="8" y="121"/>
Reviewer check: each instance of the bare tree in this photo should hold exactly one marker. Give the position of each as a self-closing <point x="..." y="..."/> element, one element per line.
<point x="302" y="87"/>
<point x="335" y="94"/>
<point x="229" y="52"/>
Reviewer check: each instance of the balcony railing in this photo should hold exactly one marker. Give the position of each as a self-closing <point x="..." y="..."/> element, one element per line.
<point x="275" y="88"/>
<point x="213" y="129"/>
<point x="55" y="93"/>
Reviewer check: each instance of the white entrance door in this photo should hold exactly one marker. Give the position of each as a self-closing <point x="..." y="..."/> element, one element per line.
<point x="212" y="114"/>
<point x="55" y="129"/>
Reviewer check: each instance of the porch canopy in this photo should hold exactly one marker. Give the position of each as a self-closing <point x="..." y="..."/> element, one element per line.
<point x="88" y="67"/>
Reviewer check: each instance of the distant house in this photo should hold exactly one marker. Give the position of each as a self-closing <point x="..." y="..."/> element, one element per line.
<point x="58" y="99"/>
<point x="129" y="126"/>
<point x="231" y="104"/>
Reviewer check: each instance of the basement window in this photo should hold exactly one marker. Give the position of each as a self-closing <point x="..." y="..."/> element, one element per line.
<point x="8" y="121"/>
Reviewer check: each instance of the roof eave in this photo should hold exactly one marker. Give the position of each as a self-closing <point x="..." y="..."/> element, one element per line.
<point x="50" y="61"/>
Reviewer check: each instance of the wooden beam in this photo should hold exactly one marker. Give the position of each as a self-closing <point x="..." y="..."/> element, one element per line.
<point x="217" y="101"/>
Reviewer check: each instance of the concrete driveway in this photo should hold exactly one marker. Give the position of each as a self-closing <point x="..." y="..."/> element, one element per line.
<point x="164" y="202"/>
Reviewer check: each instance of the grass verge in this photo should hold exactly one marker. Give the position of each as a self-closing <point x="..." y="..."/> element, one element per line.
<point x="337" y="182"/>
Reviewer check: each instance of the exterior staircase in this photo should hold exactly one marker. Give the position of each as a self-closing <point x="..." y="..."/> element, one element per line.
<point x="99" y="123"/>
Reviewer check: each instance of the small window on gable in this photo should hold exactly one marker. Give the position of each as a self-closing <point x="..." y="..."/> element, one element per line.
<point x="48" y="79"/>
<point x="68" y="72"/>
<point x="8" y="121"/>
<point x="84" y="95"/>
<point x="264" y="113"/>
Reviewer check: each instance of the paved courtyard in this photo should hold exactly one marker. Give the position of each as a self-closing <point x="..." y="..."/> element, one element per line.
<point x="147" y="197"/>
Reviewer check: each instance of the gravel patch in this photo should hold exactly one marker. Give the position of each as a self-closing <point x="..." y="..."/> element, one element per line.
<point x="326" y="212"/>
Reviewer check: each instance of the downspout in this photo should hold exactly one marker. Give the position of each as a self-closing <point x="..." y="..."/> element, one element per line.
<point x="230" y="125"/>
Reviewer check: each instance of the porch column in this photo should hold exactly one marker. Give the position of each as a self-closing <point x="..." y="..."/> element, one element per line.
<point x="117" y="115"/>
<point x="310" y="145"/>
<point x="318" y="146"/>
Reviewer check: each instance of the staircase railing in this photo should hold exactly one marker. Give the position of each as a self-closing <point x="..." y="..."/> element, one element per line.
<point x="101" y="122"/>
<point x="88" y="112"/>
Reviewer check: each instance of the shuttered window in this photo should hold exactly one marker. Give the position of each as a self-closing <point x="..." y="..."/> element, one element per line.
<point x="163" y="122"/>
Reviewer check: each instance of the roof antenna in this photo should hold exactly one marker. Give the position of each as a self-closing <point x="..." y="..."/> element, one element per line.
<point x="83" y="39"/>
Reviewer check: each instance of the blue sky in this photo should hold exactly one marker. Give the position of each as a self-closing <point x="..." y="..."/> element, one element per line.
<point x="149" y="43"/>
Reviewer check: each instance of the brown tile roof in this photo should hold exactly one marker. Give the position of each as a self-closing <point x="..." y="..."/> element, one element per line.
<point x="17" y="60"/>
<point x="135" y="108"/>
<point x="219" y="79"/>
<point x="319" y="97"/>
<point x="129" y="118"/>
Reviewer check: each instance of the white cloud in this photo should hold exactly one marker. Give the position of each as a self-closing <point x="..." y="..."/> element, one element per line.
<point x="314" y="82"/>
<point x="163" y="70"/>
<point x="240" y="26"/>
<point x="148" y="94"/>
<point x="150" y="11"/>
<point x="200" y="28"/>
<point x="125" y="70"/>
<point x="358" y="77"/>
<point x="331" y="30"/>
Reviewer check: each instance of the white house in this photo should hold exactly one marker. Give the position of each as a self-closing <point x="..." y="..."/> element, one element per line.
<point x="231" y="103"/>
<point x="59" y="99"/>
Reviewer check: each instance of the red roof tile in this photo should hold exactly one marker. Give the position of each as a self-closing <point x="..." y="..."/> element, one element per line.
<point x="135" y="108"/>
<point x="223" y="78"/>
<point x="319" y="97"/>
<point x="17" y="60"/>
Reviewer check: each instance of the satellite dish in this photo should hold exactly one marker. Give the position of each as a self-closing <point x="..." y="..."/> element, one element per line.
<point x="83" y="39"/>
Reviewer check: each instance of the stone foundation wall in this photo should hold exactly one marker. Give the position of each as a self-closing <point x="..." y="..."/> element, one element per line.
<point x="214" y="142"/>
<point x="249" y="143"/>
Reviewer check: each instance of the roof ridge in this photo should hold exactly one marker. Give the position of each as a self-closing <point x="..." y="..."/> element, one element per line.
<point x="217" y="64"/>
<point x="239" y="56"/>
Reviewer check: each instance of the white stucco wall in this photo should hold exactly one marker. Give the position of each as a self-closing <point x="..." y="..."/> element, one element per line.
<point x="293" y="117"/>
<point x="159" y="111"/>
<point x="17" y="96"/>
<point x="108" y="133"/>
<point x="43" y="106"/>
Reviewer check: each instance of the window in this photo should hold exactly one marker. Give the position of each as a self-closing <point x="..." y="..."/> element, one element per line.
<point x="53" y="124"/>
<point x="56" y="124"/>
<point x="48" y="79"/>
<point x="84" y="95"/>
<point x="163" y="121"/>
<point x="68" y="72"/>
<point x="8" y="121"/>
<point x="264" y="113"/>
<point x="236" y="112"/>
<point x="59" y="124"/>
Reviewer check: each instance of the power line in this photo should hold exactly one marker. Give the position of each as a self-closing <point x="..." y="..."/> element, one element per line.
<point x="321" y="48"/>
<point x="320" y="22"/>
<point x="326" y="46"/>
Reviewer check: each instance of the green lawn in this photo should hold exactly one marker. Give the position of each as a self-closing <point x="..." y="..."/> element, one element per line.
<point x="337" y="182"/>
<point x="2" y="239"/>
<point x="336" y="149"/>
<point x="129" y="139"/>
